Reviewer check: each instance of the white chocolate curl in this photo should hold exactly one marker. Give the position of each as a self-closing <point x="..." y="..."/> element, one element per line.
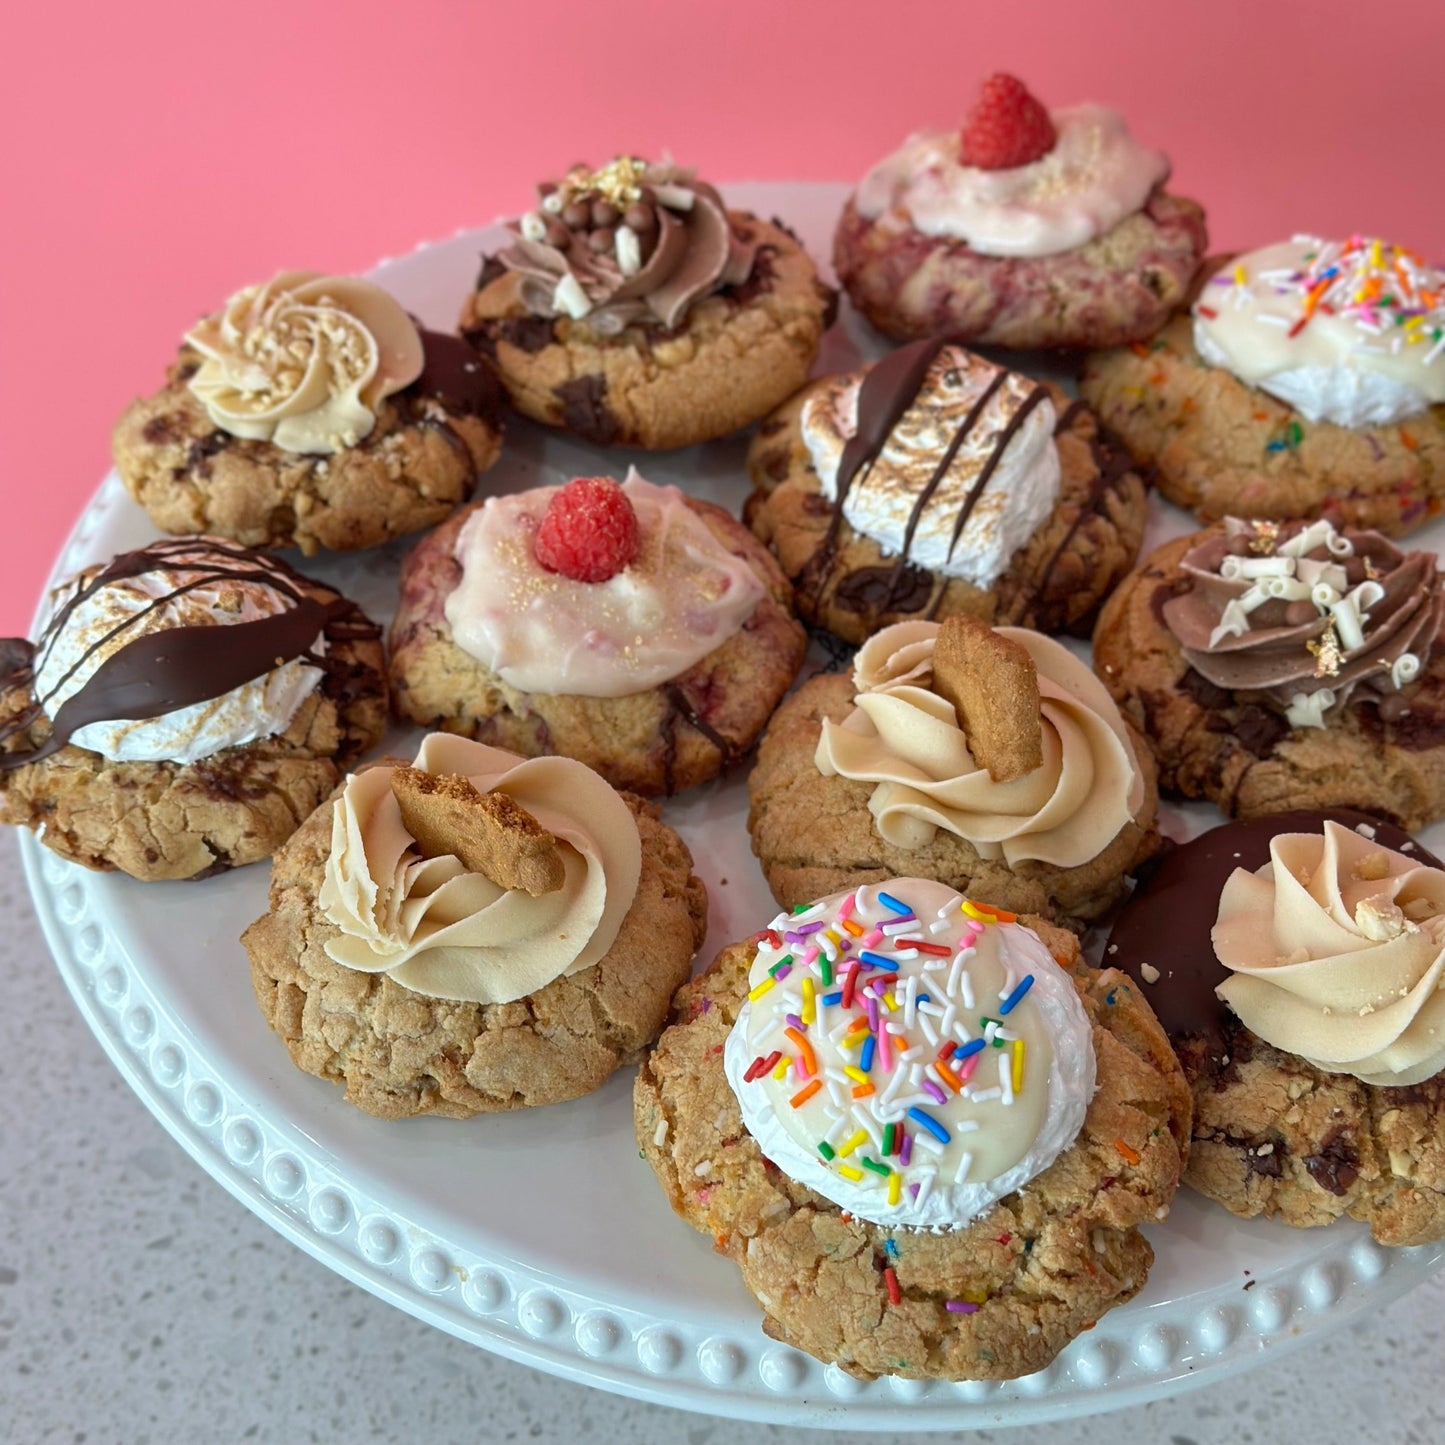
<point x="1338" y="952"/>
<point x="441" y="931"/>
<point x="905" y="738"/>
<point x="304" y="361"/>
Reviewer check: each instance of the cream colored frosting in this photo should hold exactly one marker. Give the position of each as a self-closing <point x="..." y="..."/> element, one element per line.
<point x="683" y="596"/>
<point x="1338" y="952"/>
<point x="437" y="929"/>
<point x="304" y="360"/>
<point x="1005" y="1109"/>
<point x="1096" y="175"/>
<point x="1020" y="491"/>
<point x="1347" y="332"/>
<point x="905" y="738"/>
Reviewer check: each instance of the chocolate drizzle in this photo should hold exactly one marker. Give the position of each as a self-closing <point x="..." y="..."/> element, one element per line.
<point x="1167" y="921"/>
<point x="888" y="389"/>
<point x="161" y="672"/>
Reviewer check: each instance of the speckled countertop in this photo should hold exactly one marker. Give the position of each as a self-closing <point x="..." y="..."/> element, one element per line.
<point x="140" y="1303"/>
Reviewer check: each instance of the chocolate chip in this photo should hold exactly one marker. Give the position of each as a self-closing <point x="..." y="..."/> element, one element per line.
<point x="1335" y="1166"/>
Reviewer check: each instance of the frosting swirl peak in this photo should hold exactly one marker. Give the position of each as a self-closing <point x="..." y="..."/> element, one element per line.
<point x="445" y="932"/>
<point x="304" y="360"/>
<point x="1337" y="948"/>
<point x="905" y="738"/>
<point x="1301" y="614"/>
<point x="637" y="242"/>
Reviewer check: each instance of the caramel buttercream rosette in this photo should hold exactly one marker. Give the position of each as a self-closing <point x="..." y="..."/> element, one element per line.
<point x="989" y="759"/>
<point x="474" y="932"/>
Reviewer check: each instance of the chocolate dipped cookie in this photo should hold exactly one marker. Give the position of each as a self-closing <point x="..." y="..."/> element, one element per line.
<point x="935" y="483"/>
<point x="632" y="308"/>
<point x="185" y="707"/>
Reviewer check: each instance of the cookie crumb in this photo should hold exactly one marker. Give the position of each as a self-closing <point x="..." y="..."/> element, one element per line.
<point x="1148" y="973"/>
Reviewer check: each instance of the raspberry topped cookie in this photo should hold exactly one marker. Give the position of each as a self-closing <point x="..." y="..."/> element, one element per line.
<point x="186" y="706"/>
<point x="1309" y="381"/>
<point x="935" y="482"/>
<point x="924" y="1132"/>
<point x="313" y="412"/>
<point x="474" y="932"/>
<point x="990" y="760"/>
<point x="1025" y="228"/>
<point x="634" y="309"/>
<point x="1295" y="961"/>
<point x="1286" y="665"/>
<point x="641" y="631"/>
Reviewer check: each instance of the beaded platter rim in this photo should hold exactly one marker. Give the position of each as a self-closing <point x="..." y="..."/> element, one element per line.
<point x="364" y="1229"/>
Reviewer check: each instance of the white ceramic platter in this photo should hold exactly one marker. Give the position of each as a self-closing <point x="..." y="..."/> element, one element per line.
<point x="541" y="1235"/>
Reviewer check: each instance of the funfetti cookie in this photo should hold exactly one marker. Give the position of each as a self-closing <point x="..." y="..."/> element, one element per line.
<point x="312" y="412"/>
<point x="185" y="707"/>
<point x="416" y="952"/>
<point x="1285" y="665"/>
<point x="992" y="760"/>
<point x="1025" y="228"/>
<point x="1295" y="961"/>
<point x="1308" y="381"/>
<point x="935" y="482"/>
<point x="923" y="1131"/>
<point x="633" y="308"/>
<point x="639" y="630"/>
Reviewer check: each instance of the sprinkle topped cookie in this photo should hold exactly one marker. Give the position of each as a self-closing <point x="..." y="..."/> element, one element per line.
<point x="911" y="1055"/>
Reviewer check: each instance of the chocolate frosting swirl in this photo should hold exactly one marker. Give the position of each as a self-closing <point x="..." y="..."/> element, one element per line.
<point x="1300" y="615"/>
<point x="154" y="673"/>
<point x="604" y="271"/>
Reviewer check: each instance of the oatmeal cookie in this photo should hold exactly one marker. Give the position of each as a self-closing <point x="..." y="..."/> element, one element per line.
<point x="658" y="739"/>
<point x="400" y="1053"/>
<point x="1052" y="578"/>
<point x="410" y="460"/>
<point x="225" y="803"/>
<point x="1379" y="747"/>
<point x="994" y="1298"/>
<point x="1275" y="1134"/>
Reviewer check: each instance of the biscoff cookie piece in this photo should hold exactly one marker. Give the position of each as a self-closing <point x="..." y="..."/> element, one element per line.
<point x="633" y="309"/>
<point x="185" y="708"/>
<point x="656" y="657"/>
<point x="1305" y="1140"/>
<point x="465" y="997"/>
<point x="1319" y="695"/>
<point x="967" y="1229"/>
<point x="935" y="483"/>
<point x="865" y="777"/>
<point x="488" y="833"/>
<point x="1025" y="229"/>
<point x="993" y="685"/>
<point x="1282" y="397"/>
<point x="367" y="427"/>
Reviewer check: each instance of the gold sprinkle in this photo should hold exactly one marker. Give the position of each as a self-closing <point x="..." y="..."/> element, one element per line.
<point x="1265" y="539"/>
<point x="1326" y="653"/>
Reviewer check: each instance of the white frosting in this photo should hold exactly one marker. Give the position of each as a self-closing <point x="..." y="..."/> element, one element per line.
<point x="684" y="595"/>
<point x="998" y="1138"/>
<point x="1096" y="175"/>
<point x="1343" y="333"/>
<point x="1020" y="494"/>
<point x="117" y="613"/>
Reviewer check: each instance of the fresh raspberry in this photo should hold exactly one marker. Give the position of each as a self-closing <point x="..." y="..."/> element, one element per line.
<point x="1007" y="127"/>
<point x="589" y="532"/>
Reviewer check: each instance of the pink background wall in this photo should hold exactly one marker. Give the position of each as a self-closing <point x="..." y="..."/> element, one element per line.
<point x="157" y="156"/>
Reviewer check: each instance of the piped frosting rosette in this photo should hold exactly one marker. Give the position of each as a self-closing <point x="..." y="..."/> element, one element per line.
<point x="304" y="360"/>
<point x="442" y="931"/>
<point x="908" y="1054"/>
<point x="904" y="738"/>
<point x="634" y="242"/>
<point x="1337" y="948"/>
<point x="1302" y="615"/>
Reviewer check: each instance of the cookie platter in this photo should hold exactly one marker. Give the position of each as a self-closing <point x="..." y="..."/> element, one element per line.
<point x="540" y="1235"/>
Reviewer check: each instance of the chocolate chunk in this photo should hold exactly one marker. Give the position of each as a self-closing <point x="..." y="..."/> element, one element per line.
<point x="200" y="452"/>
<point x="1266" y="1159"/>
<point x="491" y="269"/>
<point x="1205" y="693"/>
<point x="15" y="657"/>
<point x="1260" y="730"/>
<point x="1335" y="1166"/>
<point x="585" y="411"/>
<point x="159" y="429"/>
<point x="453" y="374"/>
